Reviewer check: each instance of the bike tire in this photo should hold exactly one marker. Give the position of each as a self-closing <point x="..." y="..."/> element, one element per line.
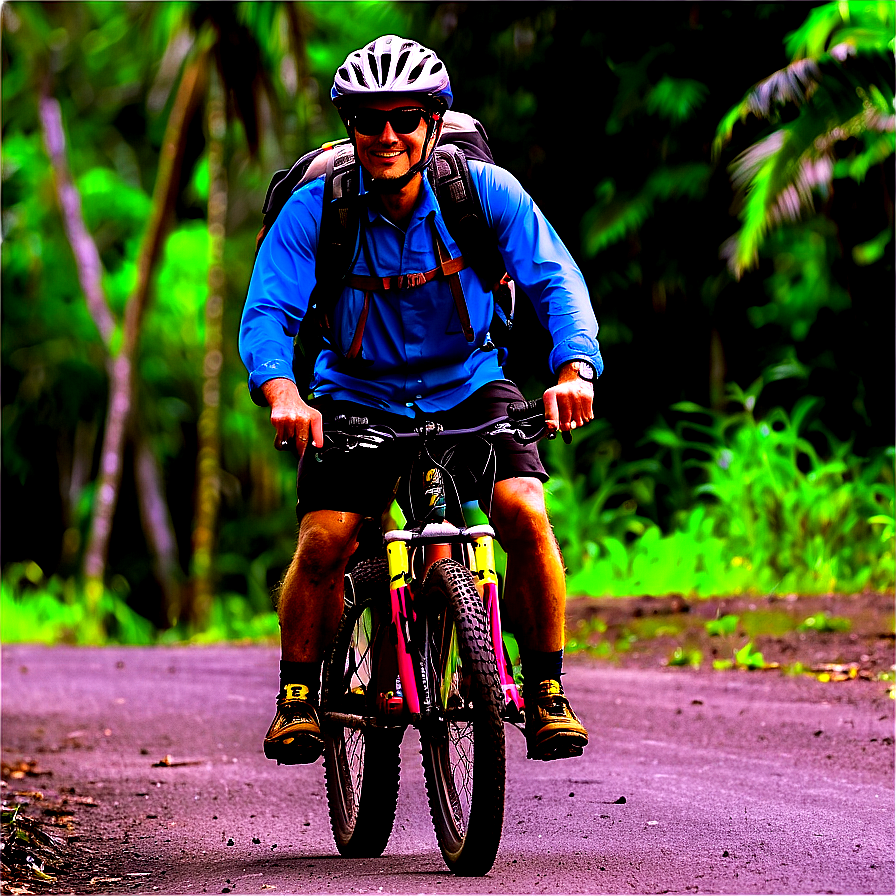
<point x="463" y="750"/>
<point x="362" y="767"/>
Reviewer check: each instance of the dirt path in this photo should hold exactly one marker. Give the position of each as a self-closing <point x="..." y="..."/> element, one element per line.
<point x="726" y="782"/>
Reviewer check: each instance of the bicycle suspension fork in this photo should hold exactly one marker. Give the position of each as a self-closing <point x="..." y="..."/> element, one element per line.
<point x="402" y="617"/>
<point x="483" y="568"/>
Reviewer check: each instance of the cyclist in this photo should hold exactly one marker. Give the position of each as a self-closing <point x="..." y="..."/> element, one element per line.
<point x="414" y="361"/>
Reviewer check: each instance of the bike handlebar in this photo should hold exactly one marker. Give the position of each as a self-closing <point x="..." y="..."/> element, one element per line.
<point x="525" y="421"/>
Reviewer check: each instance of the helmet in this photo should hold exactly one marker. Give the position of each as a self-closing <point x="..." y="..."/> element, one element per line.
<point x="392" y="64"/>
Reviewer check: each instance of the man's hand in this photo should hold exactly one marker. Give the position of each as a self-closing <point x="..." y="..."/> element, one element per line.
<point x="570" y="403"/>
<point x="291" y="417"/>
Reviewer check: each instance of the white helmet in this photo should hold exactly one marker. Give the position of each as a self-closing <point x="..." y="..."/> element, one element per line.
<point x="392" y="64"/>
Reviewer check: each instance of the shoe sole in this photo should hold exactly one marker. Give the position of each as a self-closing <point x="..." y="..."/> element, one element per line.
<point x="302" y="749"/>
<point x="560" y="745"/>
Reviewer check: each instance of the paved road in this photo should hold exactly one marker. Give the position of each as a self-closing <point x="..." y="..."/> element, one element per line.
<point x="732" y="783"/>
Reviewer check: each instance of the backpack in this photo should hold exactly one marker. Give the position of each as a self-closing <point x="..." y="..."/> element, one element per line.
<point x="462" y="138"/>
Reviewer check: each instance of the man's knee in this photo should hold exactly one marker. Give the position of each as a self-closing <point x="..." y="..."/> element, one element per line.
<point x="519" y="512"/>
<point x="326" y="541"/>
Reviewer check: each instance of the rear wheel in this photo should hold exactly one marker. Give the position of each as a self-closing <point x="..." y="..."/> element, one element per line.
<point x="463" y="747"/>
<point x="361" y="763"/>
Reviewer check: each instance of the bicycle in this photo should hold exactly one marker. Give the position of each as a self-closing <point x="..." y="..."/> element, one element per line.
<point x="420" y="644"/>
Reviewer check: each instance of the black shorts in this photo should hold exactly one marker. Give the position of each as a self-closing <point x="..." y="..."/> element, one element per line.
<point x="364" y="481"/>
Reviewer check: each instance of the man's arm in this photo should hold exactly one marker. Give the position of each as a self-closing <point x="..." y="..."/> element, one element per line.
<point x="542" y="266"/>
<point x="282" y="280"/>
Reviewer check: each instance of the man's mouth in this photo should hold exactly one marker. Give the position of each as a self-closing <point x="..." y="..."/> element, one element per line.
<point x="392" y="154"/>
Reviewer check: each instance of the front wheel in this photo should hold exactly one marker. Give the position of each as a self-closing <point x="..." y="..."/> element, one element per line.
<point x="463" y="744"/>
<point x="361" y="761"/>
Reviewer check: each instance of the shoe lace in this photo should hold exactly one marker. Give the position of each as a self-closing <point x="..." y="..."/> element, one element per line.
<point x="551" y="699"/>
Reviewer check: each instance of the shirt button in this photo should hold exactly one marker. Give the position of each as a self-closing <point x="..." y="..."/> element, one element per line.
<point x="409" y="404"/>
<point x="418" y="396"/>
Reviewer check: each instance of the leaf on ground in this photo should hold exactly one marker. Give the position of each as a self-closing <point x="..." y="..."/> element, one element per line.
<point x="168" y="761"/>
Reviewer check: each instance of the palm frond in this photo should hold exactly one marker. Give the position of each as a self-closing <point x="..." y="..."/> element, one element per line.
<point x="615" y="217"/>
<point x="676" y="99"/>
<point x="866" y="25"/>
<point x="795" y="83"/>
<point x="778" y="178"/>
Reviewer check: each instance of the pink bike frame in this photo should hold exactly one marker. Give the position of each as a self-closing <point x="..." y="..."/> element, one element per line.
<point x="482" y="565"/>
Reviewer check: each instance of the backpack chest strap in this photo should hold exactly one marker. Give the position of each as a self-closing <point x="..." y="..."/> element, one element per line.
<point x="406" y="281"/>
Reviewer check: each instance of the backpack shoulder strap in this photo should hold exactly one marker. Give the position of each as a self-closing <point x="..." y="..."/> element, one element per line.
<point x="463" y="215"/>
<point x="340" y="228"/>
<point x="285" y="182"/>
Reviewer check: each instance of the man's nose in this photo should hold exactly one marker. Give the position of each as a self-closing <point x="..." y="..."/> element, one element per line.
<point x="388" y="135"/>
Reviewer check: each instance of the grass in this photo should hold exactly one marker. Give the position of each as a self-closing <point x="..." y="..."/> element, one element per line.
<point x="764" y="506"/>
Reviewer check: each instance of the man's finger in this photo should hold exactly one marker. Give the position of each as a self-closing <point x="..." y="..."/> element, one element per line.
<point x="316" y="432"/>
<point x="551" y="412"/>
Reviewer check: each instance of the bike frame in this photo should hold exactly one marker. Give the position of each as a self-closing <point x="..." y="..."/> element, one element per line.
<point x="437" y="540"/>
<point x="480" y="556"/>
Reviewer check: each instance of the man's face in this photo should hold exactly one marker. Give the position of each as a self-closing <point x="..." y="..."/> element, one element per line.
<point x="389" y="152"/>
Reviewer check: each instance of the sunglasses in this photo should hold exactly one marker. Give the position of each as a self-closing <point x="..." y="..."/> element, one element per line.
<point x="372" y="122"/>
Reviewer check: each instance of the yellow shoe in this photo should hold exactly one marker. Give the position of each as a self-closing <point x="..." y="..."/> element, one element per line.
<point x="553" y="730"/>
<point x="294" y="737"/>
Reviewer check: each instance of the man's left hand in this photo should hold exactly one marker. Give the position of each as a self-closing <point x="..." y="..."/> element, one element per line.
<point x="569" y="404"/>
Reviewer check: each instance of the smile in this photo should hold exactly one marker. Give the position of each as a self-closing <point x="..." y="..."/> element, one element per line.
<point x="387" y="155"/>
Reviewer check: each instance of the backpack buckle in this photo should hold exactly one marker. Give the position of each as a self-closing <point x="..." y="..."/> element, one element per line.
<point x="409" y="281"/>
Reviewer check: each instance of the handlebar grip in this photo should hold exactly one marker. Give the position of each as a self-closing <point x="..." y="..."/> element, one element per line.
<point x="517" y="410"/>
<point x="343" y="420"/>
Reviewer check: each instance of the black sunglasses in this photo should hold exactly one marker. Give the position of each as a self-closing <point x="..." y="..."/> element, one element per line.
<point x="372" y="122"/>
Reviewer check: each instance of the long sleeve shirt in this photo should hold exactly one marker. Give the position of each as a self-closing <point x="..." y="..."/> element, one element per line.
<point x="416" y="356"/>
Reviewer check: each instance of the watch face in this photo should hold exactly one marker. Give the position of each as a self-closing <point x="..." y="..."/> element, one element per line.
<point x="585" y="371"/>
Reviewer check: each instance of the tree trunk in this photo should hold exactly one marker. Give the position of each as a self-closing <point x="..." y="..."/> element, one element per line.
<point x="121" y="387"/>
<point x="87" y="256"/>
<point x="155" y="518"/>
<point x="208" y="474"/>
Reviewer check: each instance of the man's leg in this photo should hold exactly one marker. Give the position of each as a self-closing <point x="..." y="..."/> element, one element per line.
<point x="309" y="608"/>
<point x="535" y="605"/>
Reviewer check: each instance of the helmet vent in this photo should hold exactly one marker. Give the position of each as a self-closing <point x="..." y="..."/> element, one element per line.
<point x="387" y="63"/>
<point x="402" y="62"/>
<point x="359" y="72"/>
<point x="437" y="67"/>
<point x="418" y="70"/>
<point x="374" y="67"/>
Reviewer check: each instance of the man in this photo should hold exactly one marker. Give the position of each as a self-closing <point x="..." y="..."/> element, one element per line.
<point x="415" y="359"/>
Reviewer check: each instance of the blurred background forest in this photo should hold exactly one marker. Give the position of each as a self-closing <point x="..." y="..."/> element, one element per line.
<point x="722" y="172"/>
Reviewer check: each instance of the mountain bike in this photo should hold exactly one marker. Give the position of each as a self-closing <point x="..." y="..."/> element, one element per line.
<point x="420" y="644"/>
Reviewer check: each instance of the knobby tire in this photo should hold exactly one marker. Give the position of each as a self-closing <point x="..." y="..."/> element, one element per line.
<point x="362" y="766"/>
<point x="463" y="750"/>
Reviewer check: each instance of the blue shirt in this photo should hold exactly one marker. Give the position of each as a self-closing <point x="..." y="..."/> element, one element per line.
<point x="416" y="352"/>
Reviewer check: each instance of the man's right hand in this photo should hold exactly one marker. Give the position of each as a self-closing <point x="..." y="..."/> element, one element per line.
<point x="293" y="419"/>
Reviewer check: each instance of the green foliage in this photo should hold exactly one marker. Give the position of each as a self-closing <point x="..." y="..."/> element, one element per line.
<point x="35" y="609"/>
<point x="801" y="283"/>
<point x="683" y="656"/>
<point x="841" y="82"/>
<point x="614" y="217"/>
<point x="821" y="622"/>
<point x="723" y="626"/>
<point x="746" y="657"/>
<point x="769" y="511"/>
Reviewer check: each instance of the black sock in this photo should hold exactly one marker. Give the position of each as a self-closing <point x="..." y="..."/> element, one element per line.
<point x="307" y="674"/>
<point x="540" y="665"/>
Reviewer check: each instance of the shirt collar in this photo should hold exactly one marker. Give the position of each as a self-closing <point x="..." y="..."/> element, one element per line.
<point x="425" y="205"/>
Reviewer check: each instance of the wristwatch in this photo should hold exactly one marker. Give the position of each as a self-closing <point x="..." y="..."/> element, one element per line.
<point x="585" y="370"/>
